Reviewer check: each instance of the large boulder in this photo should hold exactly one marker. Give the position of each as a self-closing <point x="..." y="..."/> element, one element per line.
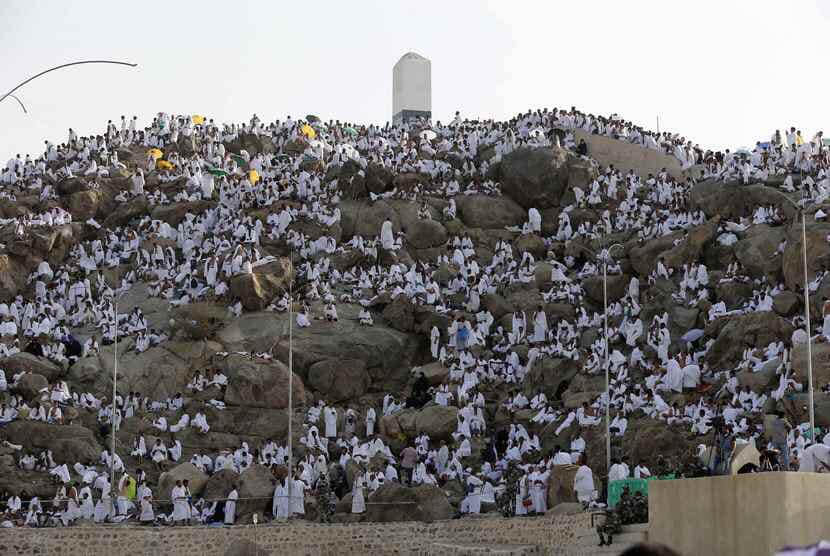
<point x="31" y="385"/>
<point x="387" y="353"/>
<point x="68" y="443"/>
<point x="13" y="276"/>
<point x="617" y="287"/>
<point x="531" y="243"/>
<point x="540" y="177"/>
<point x="259" y="383"/>
<point x="135" y="208"/>
<point x="84" y="204"/>
<point x="437" y="421"/>
<point x="395" y="502"/>
<point x="818" y="254"/>
<point x="258" y="289"/>
<point x="674" y="254"/>
<point x="436" y="373"/>
<point x="734" y="334"/>
<point x="338" y="380"/>
<point x="730" y="201"/>
<point x="27" y="363"/>
<point x="484" y="211"/>
<point x="157" y="373"/>
<point x="220" y="484"/>
<point x="423" y="234"/>
<point x="256" y="492"/>
<point x="551" y="376"/>
<point x="758" y="252"/>
<point x="196" y="478"/>
<point x="821" y="363"/>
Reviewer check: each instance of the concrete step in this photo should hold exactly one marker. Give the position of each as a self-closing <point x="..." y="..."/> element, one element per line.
<point x="613" y="550"/>
<point x="472" y="549"/>
<point x="630" y="534"/>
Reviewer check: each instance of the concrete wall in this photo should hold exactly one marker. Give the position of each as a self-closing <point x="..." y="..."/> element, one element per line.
<point x="740" y="515"/>
<point x="555" y="535"/>
<point x="625" y="156"/>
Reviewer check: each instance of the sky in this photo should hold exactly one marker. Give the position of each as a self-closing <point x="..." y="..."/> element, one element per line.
<point x="722" y="73"/>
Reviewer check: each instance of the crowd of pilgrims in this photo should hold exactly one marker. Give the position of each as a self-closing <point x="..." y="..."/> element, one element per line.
<point x="71" y="309"/>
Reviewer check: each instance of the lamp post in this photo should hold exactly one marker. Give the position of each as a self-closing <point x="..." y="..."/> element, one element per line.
<point x="810" y="393"/>
<point x="113" y="421"/>
<point x="290" y="380"/>
<point x="604" y="256"/>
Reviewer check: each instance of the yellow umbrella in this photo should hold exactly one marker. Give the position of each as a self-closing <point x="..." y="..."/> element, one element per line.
<point x="308" y="131"/>
<point x="164" y="165"/>
<point x="156" y="153"/>
<point x="253" y="176"/>
<point x="197" y="119"/>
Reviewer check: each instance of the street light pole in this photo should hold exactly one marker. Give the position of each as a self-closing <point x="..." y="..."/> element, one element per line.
<point x="290" y="381"/>
<point x="113" y="421"/>
<point x="809" y="331"/>
<point x="810" y="393"/>
<point x="606" y="364"/>
<point x="60" y="67"/>
<point x="605" y="255"/>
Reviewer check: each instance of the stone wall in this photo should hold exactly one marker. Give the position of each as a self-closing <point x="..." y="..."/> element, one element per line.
<point x="554" y="535"/>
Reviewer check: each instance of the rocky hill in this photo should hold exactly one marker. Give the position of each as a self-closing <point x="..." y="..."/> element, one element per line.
<point x="504" y="218"/>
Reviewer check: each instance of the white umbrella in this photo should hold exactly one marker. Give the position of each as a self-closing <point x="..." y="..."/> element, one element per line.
<point x="692" y="335"/>
<point x="428" y="134"/>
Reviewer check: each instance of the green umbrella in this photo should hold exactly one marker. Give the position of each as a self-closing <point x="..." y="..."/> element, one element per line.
<point x="239" y="160"/>
<point x="350" y="131"/>
<point x="311" y="118"/>
<point x="217" y="172"/>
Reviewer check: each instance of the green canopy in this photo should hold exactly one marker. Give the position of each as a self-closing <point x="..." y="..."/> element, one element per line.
<point x="217" y="172"/>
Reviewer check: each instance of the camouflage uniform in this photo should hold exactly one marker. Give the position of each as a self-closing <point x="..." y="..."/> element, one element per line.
<point x="507" y="501"/>
<point x="611" y="527"/>
<point x="632" y="508"/>
<point x="325" y="499"/>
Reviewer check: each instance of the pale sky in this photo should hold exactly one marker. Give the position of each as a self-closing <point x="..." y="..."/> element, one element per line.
<point x="723" y="73"/>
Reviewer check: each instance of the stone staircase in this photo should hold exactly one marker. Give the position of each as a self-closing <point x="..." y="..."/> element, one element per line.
<point x="630" y="535"/>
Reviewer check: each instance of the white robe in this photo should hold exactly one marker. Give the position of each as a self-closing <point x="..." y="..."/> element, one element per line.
<point x="230" y="507"/>
<point x="387" y="237"/>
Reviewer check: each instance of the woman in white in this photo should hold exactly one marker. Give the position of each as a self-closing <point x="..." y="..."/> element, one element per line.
<point x="230" y="506"/>
<point x="358" y="502"/>
<point x="147" y="515"/>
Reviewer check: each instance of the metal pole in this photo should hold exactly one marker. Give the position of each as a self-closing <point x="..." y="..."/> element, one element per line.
<point x="809" y="333"/>
<point x="607" y="381"/>
<point x="114" y="427"/>
<point x="290" y="381"/>
<point x="65" y="66"/>
<point x="658" y="125"/>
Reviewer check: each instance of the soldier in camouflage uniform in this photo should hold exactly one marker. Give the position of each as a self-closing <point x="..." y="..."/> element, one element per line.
<point x="507" y="501"/>
<point x="326" y="504"/>
<point x="632" y="508"/>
